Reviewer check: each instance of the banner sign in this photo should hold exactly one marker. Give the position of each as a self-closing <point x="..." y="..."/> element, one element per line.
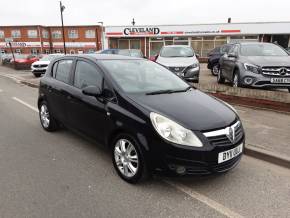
<point x="20" y="44"/>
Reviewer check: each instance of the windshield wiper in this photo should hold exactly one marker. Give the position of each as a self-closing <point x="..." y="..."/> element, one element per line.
<point x="168" y="91"/>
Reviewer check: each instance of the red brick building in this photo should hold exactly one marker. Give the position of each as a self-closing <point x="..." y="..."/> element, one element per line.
<point x="38" y="39"/>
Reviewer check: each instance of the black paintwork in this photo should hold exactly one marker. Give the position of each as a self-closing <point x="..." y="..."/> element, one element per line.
<point x="104" y="117"/>
<point x="215" y="55"/>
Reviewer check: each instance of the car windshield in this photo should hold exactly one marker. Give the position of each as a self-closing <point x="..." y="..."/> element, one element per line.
<point x="262" y="50"/>
<point x="143" y="77"/>
<point x="176" y="52"/>
<point x="49" y="57"/>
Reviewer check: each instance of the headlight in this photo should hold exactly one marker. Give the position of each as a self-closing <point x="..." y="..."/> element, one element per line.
<point x="194" y="66"/>
<point x="252" y="68"/>
<point x="173" y="132"/>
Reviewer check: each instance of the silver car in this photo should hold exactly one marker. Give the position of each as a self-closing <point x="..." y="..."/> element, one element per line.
<point x="256" y="64"/>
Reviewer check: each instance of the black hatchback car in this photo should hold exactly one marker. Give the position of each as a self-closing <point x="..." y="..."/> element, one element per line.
<point x="149" y="118"/>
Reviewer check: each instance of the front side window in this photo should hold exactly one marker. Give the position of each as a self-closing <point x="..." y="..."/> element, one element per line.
<point x="262" y="49"/>
<point x="32" y="33"/>
<point x="15" y="34"/>
<point x="142" y="76"/>
<point x="176" y="52"/>
<point x="87" y="74"/>
<point x="73" y="34"/>
<point x="63" y="70"/>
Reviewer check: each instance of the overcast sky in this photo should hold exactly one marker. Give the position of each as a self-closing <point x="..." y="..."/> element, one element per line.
<point x="121" y="12"/>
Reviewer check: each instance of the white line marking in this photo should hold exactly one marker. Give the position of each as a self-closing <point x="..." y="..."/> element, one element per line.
<point x="26" y="104"/>
<point x="202" y="198"/>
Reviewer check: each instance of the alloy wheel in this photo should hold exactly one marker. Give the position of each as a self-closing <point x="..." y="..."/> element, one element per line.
<point x="236" y="81"/>
<point x="126" y="158"/>
<point x="44" y="116"/>
<point x="215" y="70"/>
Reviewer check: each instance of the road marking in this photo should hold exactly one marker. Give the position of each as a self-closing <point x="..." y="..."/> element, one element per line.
<point x="202" y="198"/>
<point x="26" y="104"/>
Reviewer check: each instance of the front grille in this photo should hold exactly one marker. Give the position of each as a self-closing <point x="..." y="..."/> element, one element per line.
<point x="177" y="69"/>
<point x="220" y="138"/>
<point x="276" y="71"/>
<point x="40" y="65"/>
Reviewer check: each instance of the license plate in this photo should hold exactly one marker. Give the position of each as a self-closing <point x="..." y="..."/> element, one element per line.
<point x="230" y="154"/>
<point x="280" y="80"/>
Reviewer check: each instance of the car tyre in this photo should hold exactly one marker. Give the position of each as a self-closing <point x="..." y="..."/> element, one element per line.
<point x="128" y="159"/>
<point x="48" y="122"/>
<point x="215" y="69"/>
<point x="220" y="78"/>
<point x="289" y="90"/>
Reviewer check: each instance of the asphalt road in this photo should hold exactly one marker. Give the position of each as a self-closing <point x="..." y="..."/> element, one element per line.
<point x="64" y="175"/>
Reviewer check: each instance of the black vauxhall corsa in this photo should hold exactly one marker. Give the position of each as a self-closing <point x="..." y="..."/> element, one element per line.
<point x="149" y="118"/>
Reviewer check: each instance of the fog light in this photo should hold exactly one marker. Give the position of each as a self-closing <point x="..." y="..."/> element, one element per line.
<point x="180" y="170"/>
<point x="248" y="80"/>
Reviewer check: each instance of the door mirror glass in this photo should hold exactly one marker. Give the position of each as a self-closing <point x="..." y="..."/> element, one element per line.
<point x="197" y="56"/>
<point x="92" y="91"/>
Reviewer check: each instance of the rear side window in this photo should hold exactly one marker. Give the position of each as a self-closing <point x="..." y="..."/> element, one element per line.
<point x="63" y="70"/>
<point x="87" y="74"/>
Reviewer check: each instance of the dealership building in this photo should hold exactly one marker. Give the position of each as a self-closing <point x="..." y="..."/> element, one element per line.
<point x="38" y="39"/>
<point x="201" y="37"/>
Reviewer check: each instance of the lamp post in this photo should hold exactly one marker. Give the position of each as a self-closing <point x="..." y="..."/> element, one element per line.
<point x="61" y="7"/>
<point x="102" y="37"/>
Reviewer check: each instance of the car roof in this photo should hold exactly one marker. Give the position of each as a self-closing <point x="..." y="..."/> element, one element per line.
<point x="166" y="46"/>
<point x="253" y="43"/>
<point x="106" y="57"/>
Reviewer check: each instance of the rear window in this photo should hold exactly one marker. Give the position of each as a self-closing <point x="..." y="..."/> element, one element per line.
<point x="62" y="70"/>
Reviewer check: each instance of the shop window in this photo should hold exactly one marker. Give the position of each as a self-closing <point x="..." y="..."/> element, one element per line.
<point x="57" y="51"/>
<point x="2" y="34"/>
<point x="72" y="51"/>
<point x="155" y="48"/>
<point x="73" y="34"/>
<point x="18" y="51"/>
<point x="90" y="34"/>
<point x="168" y="42"/>
<point x="2" y="51"/>
<point x="15" y="34"/>
<point x="135" y="44"/>
<point x="80" y="51"/>
<point x="113" y="43"/>
<point x="32" y="33"/>
<point x="207" y="46"/>
<point x="180" y="40"/>
<point x="47" y="51"/>
<point x="123" y="44"/>
<point x="56" y="34"/>
<point x="251" y="37"/>
<point x="197" y="45"/>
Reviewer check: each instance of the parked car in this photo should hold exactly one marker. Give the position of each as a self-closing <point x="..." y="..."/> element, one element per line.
<point x="24" y="59"/>
<point x="6" y="58"/>
<point x="181" y="60"/>
<point x="214" y="57"/>
<point x="127" y="52"/>
<point x="39" y="67"/>
<point x="256" y="64"/>
<point x="134" y="107"/>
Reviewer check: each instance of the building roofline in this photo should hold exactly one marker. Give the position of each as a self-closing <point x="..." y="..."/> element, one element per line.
<point x="196" y="24"/>
<point x="48" y="26"/>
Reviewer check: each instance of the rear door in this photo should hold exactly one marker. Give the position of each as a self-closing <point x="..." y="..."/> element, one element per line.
<point x="87" y="114"/>
<point x="57" y="88"/>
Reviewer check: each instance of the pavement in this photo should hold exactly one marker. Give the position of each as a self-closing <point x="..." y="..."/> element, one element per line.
<point x="63" y="175"/>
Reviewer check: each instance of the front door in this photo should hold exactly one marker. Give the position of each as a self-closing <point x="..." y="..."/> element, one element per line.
<point x="87" y="114"/>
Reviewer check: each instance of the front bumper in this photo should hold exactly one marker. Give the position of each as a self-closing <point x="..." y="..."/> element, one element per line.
<point x="262" y="81"/>
<point x="191" y="74"/>
<point x="38" y="70"/>
<point x="195" y="161"/>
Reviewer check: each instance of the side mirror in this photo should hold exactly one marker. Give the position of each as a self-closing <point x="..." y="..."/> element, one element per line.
<point x="232" y="55"/>
<point x="145" y="57"/>
<point x="156" y="56"/>
<point x="92" y="91"/>
<point x="197" y="56"/>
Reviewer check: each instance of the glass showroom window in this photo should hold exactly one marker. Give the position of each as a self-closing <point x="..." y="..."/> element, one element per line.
<point x="219" y="41"/>
<point x="32" y="33"/>
<point x="123" y="44"/>
<point x="18" y="51"/>
<point x="155" y="45"/>
<point x="90" y="34"/>
<point x="2" y="34"/>
<point x="56" y="34"/>
<point x="207" y="45"/>
<point x="15" y="34"/>
<point x="45" y="34"/>
<point x="168" y="40"/>
<point x="34" y="51"/>
<point x="196" y="44"/>
<point x="135" y="44"/>
<point x="47" y="51"/>
<point x="180" y="40"/>
<point x="73" y="34"/>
